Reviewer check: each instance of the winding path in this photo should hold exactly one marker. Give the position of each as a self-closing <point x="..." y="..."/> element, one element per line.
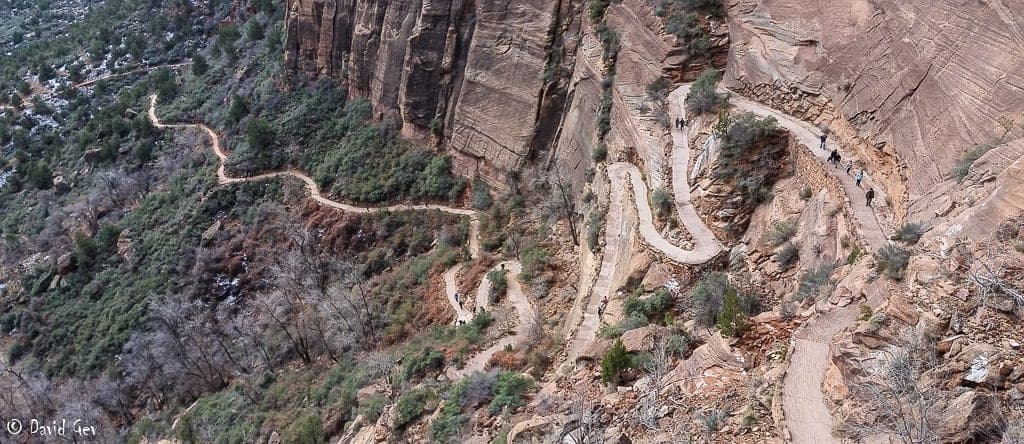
<point x="516" y="296"/>
<point x="626" y="176"/>
<point x="807" y="415"/>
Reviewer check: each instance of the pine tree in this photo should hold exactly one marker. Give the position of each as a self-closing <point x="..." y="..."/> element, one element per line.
<point x="199" y="65"/>
<point x="733" y="318"/>
<point x="615" y="361"/>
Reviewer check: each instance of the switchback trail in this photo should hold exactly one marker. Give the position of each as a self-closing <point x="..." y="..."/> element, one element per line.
<point x="807" y="415"/>
<point x="626" y="176"/>
<point x="515" y="293"/>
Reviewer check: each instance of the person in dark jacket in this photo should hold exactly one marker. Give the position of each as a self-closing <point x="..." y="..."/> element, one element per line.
<point x="870" y="195"/>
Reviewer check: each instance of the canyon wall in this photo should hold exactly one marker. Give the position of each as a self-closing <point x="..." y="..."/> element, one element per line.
<point x="498" y="82"/>
<point x="923" y="80"/>
<point x="472" y="73"/>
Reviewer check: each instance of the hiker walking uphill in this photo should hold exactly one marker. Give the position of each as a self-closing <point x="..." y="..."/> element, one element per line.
<point x="824" y="136"/>
<point x="849" y="165"/>
<point x="870" y="195"/>
<point x="859" y="176"/>
<point x="835" y="158"/>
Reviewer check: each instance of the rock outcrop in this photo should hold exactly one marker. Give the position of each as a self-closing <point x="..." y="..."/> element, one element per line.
<point x="924" y="80"/>
<point x="480" y="75"/>
<point x="497" y="81"/>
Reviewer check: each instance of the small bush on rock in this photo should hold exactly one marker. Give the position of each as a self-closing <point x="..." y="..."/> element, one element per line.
<point x="892" y="261"/>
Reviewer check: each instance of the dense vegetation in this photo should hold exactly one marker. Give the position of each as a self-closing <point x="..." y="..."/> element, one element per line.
<point x="155" y="288"/>
<point x="683" y="19"/>
<point x="753" y="156"/>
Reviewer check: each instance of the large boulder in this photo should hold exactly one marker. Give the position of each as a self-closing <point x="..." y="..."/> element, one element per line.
<point x="643" y="338"/>
<point x="970" y="416"/>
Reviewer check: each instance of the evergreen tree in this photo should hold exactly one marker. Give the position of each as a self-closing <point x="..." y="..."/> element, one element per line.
<point x="199" y="65"/>
<point x="615" y="361"/>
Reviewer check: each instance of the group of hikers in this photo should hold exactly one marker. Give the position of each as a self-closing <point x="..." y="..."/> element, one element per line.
<point x="602" y="307"/>
<point x="836" y="159"/>
<point x="680" y="123"/>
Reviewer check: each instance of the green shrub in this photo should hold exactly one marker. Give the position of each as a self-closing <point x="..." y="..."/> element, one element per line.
<point x="616" y="360"/>
<point x="712" y="420"/>
<point x="254" y="31"/>
<point x="649" y="306"/>
<point x="38" y="174"/>
<point x="534" y="259"/>
<point x="780" y="232"/>
<point x="662" y="200"/>
<point x="597" y="9"/>
<point x="708" y="296"/>
<point x="481" y="195"/>
<point x="411" y="405"/>
<point x="509" y="391"/>
<point x="199" y="65"/>
<point x="239" y="108"/>
<point x="600" y="152"/>
<point x="732" y="319"/>
<point x="604" y="114"/>
<point x="418" y="362"/>
<point x="678" y="343"/>
<point x="816" y="283"/>
<point x="909" y="233"/>
<point x="865" y="312"/>
<point x="892" y="261"/>
<point x="806" y="193"/>
<point x="305" y="430"/>
<point x="855" y="254"/>
<point x="499" y="282"/>
<point x="372" y="407"/>
<point x="703" y="97"/>
<point x="788" y="255"/>
<point x="595" y="225"/>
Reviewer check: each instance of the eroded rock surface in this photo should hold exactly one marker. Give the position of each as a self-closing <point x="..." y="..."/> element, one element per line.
<point x="926" y="79"/>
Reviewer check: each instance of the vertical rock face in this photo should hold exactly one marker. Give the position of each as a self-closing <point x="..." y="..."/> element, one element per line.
<point x="497" y="104"/>
<point x="928" y="78"/>
<point x="472" y="71"/>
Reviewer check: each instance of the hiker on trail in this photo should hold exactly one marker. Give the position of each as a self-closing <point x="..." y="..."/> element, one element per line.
<point x="824" y="136"/>
<point x="832" y="157"/>
<point x="600" y="312"/>
<point x="859" y="176"/>
<point x="839" y="159"/>
<point x="849" y="165"/>
<point x="870" y="195"/>
<point x="457" y="300"/>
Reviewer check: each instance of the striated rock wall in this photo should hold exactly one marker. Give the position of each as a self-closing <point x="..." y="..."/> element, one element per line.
<point x="472" y="72"/>
<point x="499" y="82"/>
<point x="929" y="79"/>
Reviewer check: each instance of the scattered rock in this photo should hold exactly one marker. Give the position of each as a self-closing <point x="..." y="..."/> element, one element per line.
<point x="64" y="264"/>
<point x="595" y="351"/>
<point x="657" y="276"/>
<point x="900" y="309"/>
<point x="211" y="232"/>
<point x="970" y="416"/>
<point x="642" y="339"/>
